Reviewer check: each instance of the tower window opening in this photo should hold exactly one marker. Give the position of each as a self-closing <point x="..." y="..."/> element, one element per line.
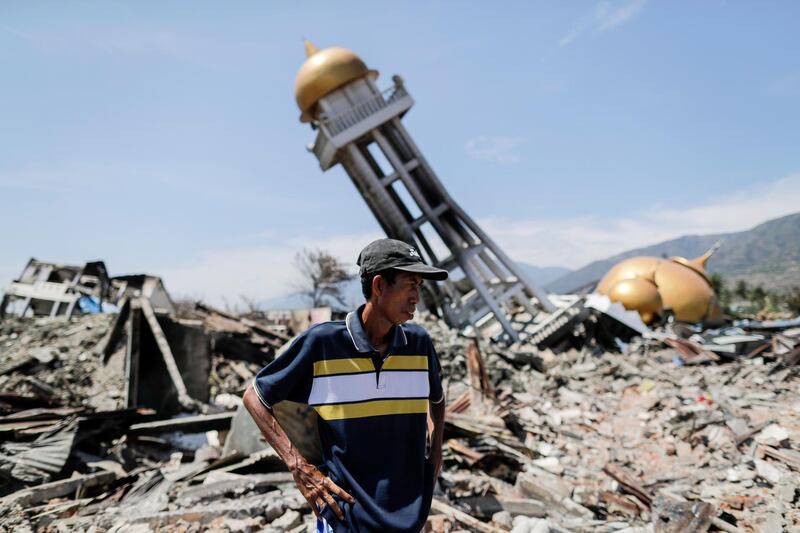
<point x="377" y="155"/>
<point x="436" y="243"/>
<point x="408" y="201"/>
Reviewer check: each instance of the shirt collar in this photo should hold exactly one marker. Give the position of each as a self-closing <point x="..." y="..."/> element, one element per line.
<point x="356" y="330"/>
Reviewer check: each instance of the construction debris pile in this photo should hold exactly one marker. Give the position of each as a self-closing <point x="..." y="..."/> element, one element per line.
<point x="50" y="361"/>
<point x="664" y="433"/>
<point x="681" y="430"/>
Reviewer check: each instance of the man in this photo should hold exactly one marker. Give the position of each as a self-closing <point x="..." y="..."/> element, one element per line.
<point x="372" y="381"/>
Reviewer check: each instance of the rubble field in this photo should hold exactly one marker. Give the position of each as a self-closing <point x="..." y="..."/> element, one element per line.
<point x="680" y="431"/>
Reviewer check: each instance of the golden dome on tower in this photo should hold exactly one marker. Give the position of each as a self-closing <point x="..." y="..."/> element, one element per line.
<point x="325" y="71"/>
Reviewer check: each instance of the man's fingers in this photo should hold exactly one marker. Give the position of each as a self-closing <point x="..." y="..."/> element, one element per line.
<point x="315" y="504"/>
<point x="339" y="491"/>
<point x="333" y="505"/>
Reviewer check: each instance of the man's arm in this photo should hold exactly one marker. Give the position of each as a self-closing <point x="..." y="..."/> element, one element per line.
<point x="316" y="488"/>
<point x="437" y="415"/>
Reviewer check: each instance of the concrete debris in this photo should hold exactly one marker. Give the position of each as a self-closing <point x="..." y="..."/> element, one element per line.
<point x="132" y="422"/>
<point x="625" y="439"/>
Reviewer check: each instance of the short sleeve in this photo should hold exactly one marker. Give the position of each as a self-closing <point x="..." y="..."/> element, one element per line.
<point x="289" y="376"/>
<point x="434" y="375"/>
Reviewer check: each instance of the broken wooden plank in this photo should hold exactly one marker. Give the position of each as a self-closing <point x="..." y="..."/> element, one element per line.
<point x="186" y="424"/>
<point x="57" y="489"/>
<point x="9" y="429"/>
<point x="790" y="458"/>
<point x="460" y="404"/>
<point x="62" y="508"/>
<point x="11" y="402"/>
<point x="691" y="352"/>
<point x="629" y="484"/>
<point x="478" y="377"/>
<point x="470" y="455"/>
<point x="460" y="516"/>
<point x="42" y="413"/>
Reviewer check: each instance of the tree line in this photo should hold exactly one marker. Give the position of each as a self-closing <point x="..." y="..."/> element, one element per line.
<point x="744" y="297"/>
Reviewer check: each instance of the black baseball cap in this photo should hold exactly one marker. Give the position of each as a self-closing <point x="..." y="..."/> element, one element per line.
<point x="384" y="254"/>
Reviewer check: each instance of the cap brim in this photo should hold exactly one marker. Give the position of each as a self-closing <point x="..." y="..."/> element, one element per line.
<point x="426" y="271"/>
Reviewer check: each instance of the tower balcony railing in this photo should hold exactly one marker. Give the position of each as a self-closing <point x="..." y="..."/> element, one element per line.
<point x="336" y="131"/>
<point x="363" y="110"/>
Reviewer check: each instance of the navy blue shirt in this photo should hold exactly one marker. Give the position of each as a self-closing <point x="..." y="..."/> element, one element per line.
<point x="372" y="419"/>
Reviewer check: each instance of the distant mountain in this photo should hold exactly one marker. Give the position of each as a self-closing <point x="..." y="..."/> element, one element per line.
<point x="768" y="254"/>
<point x="541" y="276"/>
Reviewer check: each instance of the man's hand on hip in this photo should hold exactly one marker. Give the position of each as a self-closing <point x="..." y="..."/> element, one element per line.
<point x="318" y="489"/>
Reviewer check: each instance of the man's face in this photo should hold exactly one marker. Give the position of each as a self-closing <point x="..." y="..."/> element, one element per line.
<point x="399" y="300"/>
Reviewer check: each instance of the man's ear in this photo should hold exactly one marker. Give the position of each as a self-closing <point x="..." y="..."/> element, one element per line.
<point x="378" y="284"/>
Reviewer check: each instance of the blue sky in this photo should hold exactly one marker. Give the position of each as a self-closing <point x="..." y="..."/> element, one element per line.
<point x="163" y="137"/>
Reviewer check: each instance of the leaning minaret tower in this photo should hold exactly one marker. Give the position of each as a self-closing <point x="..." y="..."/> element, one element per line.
<point x="359" y="126"/>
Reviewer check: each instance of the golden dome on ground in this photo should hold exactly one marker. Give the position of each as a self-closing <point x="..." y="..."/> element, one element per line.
<point x="684" y="291"/>
<point x="650" y="285"/>
<point x="638" y="294"/>
<point x="323" y="72"/>
<point x="634" y="267"/>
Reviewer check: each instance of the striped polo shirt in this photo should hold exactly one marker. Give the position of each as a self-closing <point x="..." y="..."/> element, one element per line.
<point x="372" y="417"/>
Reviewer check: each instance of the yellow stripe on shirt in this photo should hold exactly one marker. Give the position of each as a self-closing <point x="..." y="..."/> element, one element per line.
<point x="376" y="408"/>
<point x="406" y="362"/>
<point x="343" y="366"/>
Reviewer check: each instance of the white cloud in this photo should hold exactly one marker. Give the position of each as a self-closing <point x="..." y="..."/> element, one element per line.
<point x="606" y="16"/>
<point x="574" y="242"/>
<point x="609" y="15"/>
<point x="257" y="272"/>
<point x="497" y="149"/>
<point x="580" y="27"/>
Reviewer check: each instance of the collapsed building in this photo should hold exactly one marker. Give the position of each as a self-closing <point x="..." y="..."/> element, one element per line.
<point x="52" y="289"/>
